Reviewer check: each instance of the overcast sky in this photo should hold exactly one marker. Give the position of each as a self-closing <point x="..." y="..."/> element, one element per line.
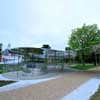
<point x="37" y="22"/>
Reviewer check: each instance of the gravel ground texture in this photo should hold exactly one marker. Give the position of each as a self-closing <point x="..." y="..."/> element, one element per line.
<point x="50" y="90"/>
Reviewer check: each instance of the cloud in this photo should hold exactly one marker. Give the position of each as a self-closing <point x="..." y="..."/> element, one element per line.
<point x="37" y="22"/>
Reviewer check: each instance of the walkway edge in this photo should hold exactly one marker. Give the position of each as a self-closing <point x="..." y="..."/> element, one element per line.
<point x="85" y="91"/>
<point x="24" y="83"/>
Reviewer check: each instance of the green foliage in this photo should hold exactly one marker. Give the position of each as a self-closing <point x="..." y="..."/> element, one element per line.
<point x="46" y="46"/>
<point x="1" y="68"/>
<point x="82" y="39"/>
<point x="84" y="36"/>
<point x="9" y="68"/>
<point x="44" y="67"/>
<point x="0" y="49"/>
<point x="94" y="42"/>
<point x="96" y="96"/>
<point x="28" y="50"/>
<point x="80" y="67"/>
<point x="3" y="83"/>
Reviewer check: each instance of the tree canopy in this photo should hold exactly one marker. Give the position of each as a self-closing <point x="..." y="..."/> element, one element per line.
<point x="46" y="46"/>
<point x="84" y="36"/>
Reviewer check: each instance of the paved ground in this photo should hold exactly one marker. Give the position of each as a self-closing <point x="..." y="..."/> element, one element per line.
<point x="24" y="83"/>
<point x="51" y="90"/>
<point x="85" y="91"/>
<point x="28" y="76"/>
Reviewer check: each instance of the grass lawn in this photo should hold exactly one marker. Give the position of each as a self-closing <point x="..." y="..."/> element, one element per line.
<point x="9" y="68"/>
<point x="96" y="96"/>
<point x="1" y="68"/>
<point x="2" y="83"/>
<point x="86" y="67"/>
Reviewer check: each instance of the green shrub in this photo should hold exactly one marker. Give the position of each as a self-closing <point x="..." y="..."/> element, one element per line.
<point x="81" y="67"/>
<point x="96" y="96"/>
<point x="3" y="83"/>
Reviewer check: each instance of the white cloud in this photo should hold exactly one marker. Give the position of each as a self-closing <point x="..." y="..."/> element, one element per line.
<point x="37" y="22"/>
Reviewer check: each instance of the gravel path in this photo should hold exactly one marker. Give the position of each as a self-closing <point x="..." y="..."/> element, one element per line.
<point x="50" y="90"/>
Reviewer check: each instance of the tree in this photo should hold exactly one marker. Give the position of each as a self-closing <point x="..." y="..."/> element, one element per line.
<point x="81" y="38"/>
<point x="0" y="51"/>
<point x="69" y="56"/>
<point x="46" y="46"/>
<point x="95" y="45"/>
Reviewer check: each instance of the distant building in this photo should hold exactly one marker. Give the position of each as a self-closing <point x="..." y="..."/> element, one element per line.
<point x="45" y="52"/>
<point x="36" y="54"/>
<point x="58" y="56"/>
<point x="10" y="57"/>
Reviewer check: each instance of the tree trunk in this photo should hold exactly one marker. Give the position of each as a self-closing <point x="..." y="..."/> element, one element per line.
<point x="94" y="58"/>
<point x="95" y="62"/>
<point x="83" y="58"/>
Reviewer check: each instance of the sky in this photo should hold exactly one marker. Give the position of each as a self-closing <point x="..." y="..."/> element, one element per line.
<point x="32" y="23"/>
